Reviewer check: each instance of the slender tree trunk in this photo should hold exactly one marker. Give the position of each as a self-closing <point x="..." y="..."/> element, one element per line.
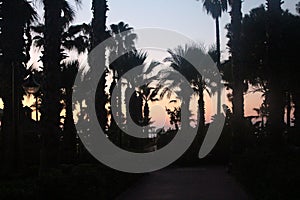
<point x="185" y="120"/>
<point x="201" y="109"/>
<point x="238" y="99"/>
<point x="70" y="132"/>
<point x="99" y="34"/>
<point x="146" y="113"/>
<point x="50" y="119"/>
<point x="238" y="85"/>
<point x="276" y="98"/>
<point x="218" y="64"/>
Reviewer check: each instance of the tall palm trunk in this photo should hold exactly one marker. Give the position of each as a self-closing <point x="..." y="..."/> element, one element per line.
<point x="238" y="100"/>
<point x="276" y="94"/>
<point x="218" y="63"/>
<point x="238" y="86"/>
<point x="69" y="132"/>
<point x="185" y="106"/>
<point x="99" y="34"/>
<point x="201" y="109"/>
<point x="52" y="57"/>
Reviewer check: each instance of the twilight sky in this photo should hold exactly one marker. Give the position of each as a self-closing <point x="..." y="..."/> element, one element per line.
<point x="184" y="16"/>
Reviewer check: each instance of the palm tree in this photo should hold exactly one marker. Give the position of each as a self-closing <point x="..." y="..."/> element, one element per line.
<point x="124" y="38"/>
<point x="179" y="63"/>
<point x="15" y="16"/>
<point x="237" y="71"/>
<point x="55" y="19"/>
<point x="73" y="37"/>
<point x="98" y="34"/>
<point x="123" y="52"/>
<point x="148" y="94"/>
<point x="134" y="59"/>
<point x="69" y="74"/>
<point x="215" y="8"/>
<point x="132" y="95"/>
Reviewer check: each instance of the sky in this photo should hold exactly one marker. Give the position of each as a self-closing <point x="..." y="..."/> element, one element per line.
<point x="184" y="16"/>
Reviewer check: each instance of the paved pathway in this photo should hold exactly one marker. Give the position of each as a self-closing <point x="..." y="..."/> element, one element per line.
<point x="203" y="183"/>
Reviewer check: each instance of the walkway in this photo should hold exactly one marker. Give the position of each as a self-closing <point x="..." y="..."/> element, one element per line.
<point x="203" y="183"/>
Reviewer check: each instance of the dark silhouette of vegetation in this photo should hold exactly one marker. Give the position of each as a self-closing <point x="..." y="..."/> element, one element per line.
<point x="43" y="158"/>
<point x="12" y="70"/>
<point x="174" y="117"/>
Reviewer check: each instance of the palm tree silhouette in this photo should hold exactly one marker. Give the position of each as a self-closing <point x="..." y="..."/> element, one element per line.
<point x="122" y="53"/>
<point x="215" y="8"/>
<point x="99" y="33"/>
<point x="56" y="17"/>
<point x="135" y="59"/>
<point x="236" y="18"/>
<point x="69" y="73"/>
<point x="124" y="38"/>
<point x="132" y="94"/>
<point x="237" y="71"/>
<point x="179" y="63"/>
<point x="73" y="37"/>
<point x="148" y="94"/>
<point x="16" y="15"/>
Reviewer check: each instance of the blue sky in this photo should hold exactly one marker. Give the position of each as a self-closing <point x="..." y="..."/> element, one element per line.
<point x="184" y="16"/>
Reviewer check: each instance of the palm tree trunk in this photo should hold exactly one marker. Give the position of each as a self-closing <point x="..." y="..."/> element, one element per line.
<point x="185" y="120"/>
<point x="238" y="99"/>
<point x="276" y="116"/>
<point x="201" y="109"/>
<point x="50" y="119"/>
<point x="276" y="98"/>
<point x="238" y="88"/>
<point x="218" y="63"/>
<point x="70" y="132"/>
<point x="98" y="35"/>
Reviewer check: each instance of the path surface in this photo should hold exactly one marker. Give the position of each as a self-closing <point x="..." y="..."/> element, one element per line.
<point x="202" y="183"/>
